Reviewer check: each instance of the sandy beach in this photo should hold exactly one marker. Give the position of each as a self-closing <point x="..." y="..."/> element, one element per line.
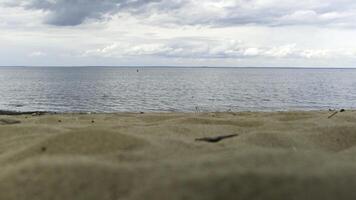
<point x="150" y="156"/>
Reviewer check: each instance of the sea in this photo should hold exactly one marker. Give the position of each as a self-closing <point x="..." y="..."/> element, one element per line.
<point x="175" y="89"/>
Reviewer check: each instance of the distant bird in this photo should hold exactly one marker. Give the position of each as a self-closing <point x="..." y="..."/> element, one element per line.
<point x="137" y="70"/>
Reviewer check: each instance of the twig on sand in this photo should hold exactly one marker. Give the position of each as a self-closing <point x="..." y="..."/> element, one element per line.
<point x="215" y="139"/>
<point x="334" y="113"/>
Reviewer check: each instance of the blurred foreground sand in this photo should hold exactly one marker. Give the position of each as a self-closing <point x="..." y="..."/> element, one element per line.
<point x="152" y="156"/>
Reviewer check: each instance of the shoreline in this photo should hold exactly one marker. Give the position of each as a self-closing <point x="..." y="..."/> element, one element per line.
<point x="15" y="112"/>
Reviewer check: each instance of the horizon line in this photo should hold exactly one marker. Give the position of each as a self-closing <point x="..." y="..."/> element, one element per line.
<point x="173" y="66"/>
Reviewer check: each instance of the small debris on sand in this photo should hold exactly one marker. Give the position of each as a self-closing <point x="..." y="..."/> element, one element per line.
<point x="334" y="113"/>
<point x="215" y="139"/>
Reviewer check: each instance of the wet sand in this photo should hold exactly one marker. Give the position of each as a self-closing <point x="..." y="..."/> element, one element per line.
<point x="150" y="156"/>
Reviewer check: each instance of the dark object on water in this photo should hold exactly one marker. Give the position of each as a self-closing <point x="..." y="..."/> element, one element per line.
<point x="215" y="139"/>
<point x="18" y="105"/>
<point x="334" y="113"/>
<point x="136" y="70"/>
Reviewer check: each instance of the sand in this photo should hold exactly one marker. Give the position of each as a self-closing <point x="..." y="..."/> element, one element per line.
<point x="152" y="156"/>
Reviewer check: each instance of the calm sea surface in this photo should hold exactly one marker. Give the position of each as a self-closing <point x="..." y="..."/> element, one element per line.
<point x="105" y="89"/>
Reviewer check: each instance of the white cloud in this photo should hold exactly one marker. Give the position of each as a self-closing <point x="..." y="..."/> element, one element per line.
<point x="19" y="18"/>
<point x="208" y="49"/>
<point x="37" y="54"/>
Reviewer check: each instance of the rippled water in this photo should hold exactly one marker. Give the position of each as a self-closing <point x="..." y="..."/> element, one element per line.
<point x="105" y="89"/>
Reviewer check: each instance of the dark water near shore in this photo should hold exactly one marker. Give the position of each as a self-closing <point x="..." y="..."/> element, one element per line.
<point x="105" y="89"/>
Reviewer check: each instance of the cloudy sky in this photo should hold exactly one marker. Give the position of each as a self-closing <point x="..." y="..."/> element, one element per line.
<point x="246" y="33"/>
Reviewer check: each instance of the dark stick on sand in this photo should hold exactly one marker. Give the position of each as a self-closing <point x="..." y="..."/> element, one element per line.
<point x="334" y="113"/>
<point x="215" y="139"/>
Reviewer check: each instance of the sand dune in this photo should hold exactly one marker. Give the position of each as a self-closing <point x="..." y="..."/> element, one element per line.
<point x="278" y="155"/>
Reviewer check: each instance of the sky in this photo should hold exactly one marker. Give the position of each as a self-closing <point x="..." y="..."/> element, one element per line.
<point x="216" y="33"/>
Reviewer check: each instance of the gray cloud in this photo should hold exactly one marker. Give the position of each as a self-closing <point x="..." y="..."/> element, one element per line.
<point x="340" y="13"/>
<point x="75" y="12"/>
